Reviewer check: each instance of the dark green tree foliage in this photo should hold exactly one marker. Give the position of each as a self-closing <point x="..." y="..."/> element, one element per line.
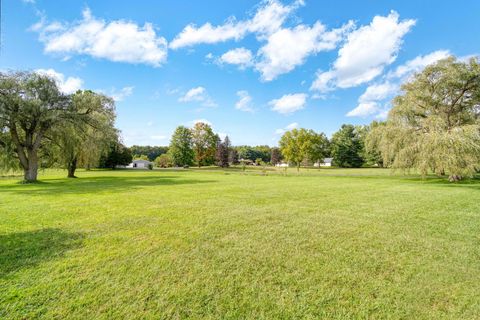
<point x="118" y="155"/>
<point x="276" y="156"/>
<point x="151" y="152"/>
<point x="30" y="106"/>
<point x="253" y="153"/>
<point x="223" y="151"/>
<point x="347" y="147"/>
<point x="181" y="147"/>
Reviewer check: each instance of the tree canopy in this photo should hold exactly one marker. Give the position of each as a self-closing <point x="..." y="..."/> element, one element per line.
<point x="434" y="125"/>
<point x="347" y="147"/>
<point x="181" y="147"/>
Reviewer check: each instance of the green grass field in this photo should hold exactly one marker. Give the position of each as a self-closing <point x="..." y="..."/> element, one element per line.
<point x="209" y="244"/>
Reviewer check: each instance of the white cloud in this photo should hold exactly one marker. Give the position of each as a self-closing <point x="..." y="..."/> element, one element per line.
<point x="268" y="18"/>
<point x="288" y="48"/>
<point x="289" y="103"/>
<point x="418" y="63"/>
<point x="289" y="127"/>
<point x="120" y="95"/>
<point x="365" y="53"/>
<point x="67" y="85"/>
<point x="119" y="40"/>
<point x="239" y="56"/>
<point x="245" y="101"/>
<point x="198" y="94"/>
<point x="374" y="101"/>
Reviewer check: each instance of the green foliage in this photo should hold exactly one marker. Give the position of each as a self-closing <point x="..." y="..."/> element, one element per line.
<point x="204" y="144"/>
<point x="181" y="147"/>
<point x="372" y="153"/>
<point x="83" y="141"/>
<point x="347" y="147"/>
<point x="31" y="106"/>
<point x="139" y="157"/>
<point x="434" y="124"/>
<point x="118" y="155"/>
<point x="164" y="161"/>
<point x="299" y="145"/>
<point x="151" y="152"/>
<point x="253" y="153"/>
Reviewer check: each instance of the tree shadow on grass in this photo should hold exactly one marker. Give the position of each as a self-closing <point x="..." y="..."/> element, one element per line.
<point x="471" y="183"/>
<point x="99" y="184"/>
<point x="26" y="249"/>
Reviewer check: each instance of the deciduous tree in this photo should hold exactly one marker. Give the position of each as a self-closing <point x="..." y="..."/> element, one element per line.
<point x="181" y="147"/>
<point x="434" y="124"/>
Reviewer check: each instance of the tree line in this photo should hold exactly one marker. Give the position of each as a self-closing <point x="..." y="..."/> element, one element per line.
<point x="433" y="126"/>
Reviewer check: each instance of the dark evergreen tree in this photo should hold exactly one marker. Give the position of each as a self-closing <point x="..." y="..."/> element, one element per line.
<point x="347" y="147"/>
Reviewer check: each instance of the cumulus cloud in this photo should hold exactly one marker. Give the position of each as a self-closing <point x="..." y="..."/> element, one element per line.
<point x="289" y="47"/>
<point x="120" y="95"/>
<point x="245" y="101"/>
<point x="240" y="56"/>
<point x="374" y="101"/>
<point x="269" y="17"/>
<point x="67" y="85"/>
<point x="198" y="94"/>
<point x="119" y="40"/>
<point x="365" y="54"/>
<point x="289" y="127"/>
<point x="289" y="103"/>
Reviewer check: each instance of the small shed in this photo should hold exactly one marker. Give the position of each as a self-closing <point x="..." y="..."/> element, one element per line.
<point x="140" y="164"/>
<point x="327" y="162"/>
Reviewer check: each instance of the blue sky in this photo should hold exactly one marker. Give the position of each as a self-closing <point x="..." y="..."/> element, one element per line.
<point x="250" y="68"/>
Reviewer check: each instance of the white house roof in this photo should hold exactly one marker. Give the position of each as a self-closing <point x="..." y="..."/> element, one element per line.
<point x="327" y="160"/>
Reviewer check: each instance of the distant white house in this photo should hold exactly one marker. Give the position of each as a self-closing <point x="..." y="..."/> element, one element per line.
<point x="327" y="162"/>
<point x="139" y="164"/>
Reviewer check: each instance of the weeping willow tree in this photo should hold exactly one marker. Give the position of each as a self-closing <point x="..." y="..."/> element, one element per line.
<point x="434" y="125"/>
<point x="84" y="141"/>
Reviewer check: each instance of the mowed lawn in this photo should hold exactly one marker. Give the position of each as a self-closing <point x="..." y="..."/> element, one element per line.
<point x="209" y="244"/>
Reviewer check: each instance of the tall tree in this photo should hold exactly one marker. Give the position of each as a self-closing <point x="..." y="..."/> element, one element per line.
<point x="223" y="151"/>
<point x="82" y="142"/>
<point x="276" y="156"/>
<point x="204" y="144"/>
<point x="30" y="106"/>
<point x="347" y="147"/>
<point x="434" y="124"/>
<point x="372" y="153"/>
<point x="181" y="147"/>
<point x="298" y="145"/>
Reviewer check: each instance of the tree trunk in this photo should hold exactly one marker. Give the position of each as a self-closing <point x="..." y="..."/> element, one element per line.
<point x="454" y="178"/>
<point x="31" y="170"/>
<point x="72" y="166"/>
